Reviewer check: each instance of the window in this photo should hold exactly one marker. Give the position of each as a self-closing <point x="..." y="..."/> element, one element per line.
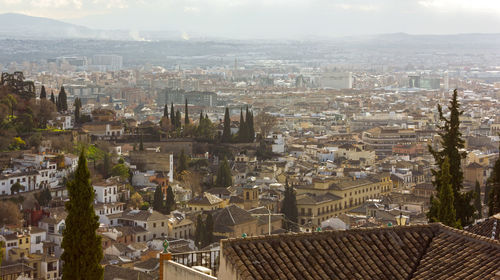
<point x="154" y="225"/>
<point x="162" y="224"/>
<point x="21" y="241"/>
<point x="27" y="239"/>
<point x="38" y="239"/>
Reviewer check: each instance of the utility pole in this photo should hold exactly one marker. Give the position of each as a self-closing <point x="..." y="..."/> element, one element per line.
<point x="269" y="214"/>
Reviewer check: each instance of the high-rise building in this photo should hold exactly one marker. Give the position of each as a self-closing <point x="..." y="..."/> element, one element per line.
<point x="336" y="80"/>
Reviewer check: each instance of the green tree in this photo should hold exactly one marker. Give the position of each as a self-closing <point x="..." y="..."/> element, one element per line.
<point x="172" y="114"/>
<point x="16" y="188"/>
<point x="52" y="99"/>
<point x="289" y="209"/>
<point x="477" y="200"/>
<point x="226" y="132"/>
<point x="120" y="170"/>
<point x="224" y="178"/>
<point x="242" y="131"/>
<point x="208" y="233"/>
<point x="183" y="162"/>
<point x="11" y="102"/>
<point x="170" y="203"/>
<point x="78" y="106"/>
<point x="446" y="213"/>
<point x="44" y="197"/>
<point x="43" y="93"/>
<point x="82" y="246"/>
<point x="106" y="166"/>
<point x="158" y="200"/>
<point x="198" y="233"/>
<point x="141" y="144"/>
<point x="451" y="146"/>
<point x="250" y="127"/>
<point x="177" y="119"/>
<point x="494" y="189"/>
<point x="165" y="111"/>
<point x="186" y="115"/>
<point x="63" y="100"/>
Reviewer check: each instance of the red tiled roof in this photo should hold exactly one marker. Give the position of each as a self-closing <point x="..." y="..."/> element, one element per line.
<point x="489" y="227"/>
<point x="412" y="252"/>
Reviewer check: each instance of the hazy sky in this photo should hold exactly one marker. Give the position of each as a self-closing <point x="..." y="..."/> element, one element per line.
<point x="272" y="18"/>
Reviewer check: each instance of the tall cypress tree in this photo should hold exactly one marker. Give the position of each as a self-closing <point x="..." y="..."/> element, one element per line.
<point x="177" y="119"/>
<point x="186" y="114"/>
<point x="446" y="213"/>
<point x="224" y="178"/>
<point x="451" y="144"/>
<point x="198" y="233"/>
<point x="209" y="230"/>
<point x="158" y="200"/>
<point x="226" y="132"/>
<point x="78" y="106"/>
<point x="170" y="203"/>
<point x="63" y="100"/>
<point x="165" y="111"/>
<point x="289" y="209"/>
<point x="141" y="144"/>
<point x="250" y="127"/>
<point x="172" y="114"/>
<point x="242" y="133"/>
<point x="477" y="200"/>
<point x="82" y="246"/>
<point x="494" y="190"/>
<point x="52" y="98"/>
<point x="183" y="162"/>
<point x="43" y="93"/>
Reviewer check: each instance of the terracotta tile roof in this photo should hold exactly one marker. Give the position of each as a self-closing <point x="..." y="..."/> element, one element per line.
<point x="412" y="252"/>
<point x="490" y="227"/>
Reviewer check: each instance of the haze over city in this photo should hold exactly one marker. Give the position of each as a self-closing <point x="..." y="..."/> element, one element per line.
<point x="272" y="19"/>
<point x="239" y="139"/>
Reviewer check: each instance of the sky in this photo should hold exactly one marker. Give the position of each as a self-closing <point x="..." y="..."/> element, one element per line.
<point x="272" y="19"/>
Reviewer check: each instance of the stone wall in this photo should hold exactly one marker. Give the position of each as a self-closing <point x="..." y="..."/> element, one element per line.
<point x="176" y="271"/>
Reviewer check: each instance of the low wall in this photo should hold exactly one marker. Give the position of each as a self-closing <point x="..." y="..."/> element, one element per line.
<point x="177" y="271"/>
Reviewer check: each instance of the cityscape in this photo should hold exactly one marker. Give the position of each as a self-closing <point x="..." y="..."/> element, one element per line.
<point x="202" y="150"/>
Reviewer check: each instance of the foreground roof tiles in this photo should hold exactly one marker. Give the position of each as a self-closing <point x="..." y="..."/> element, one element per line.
<point x="413" y="252"/>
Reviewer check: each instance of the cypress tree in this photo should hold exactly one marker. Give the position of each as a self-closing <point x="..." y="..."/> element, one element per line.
<point x="477" y="200"/>
<point x="165" y="111"/>
<point x="201" y="118"/>
<point x="141" y="145"/>
<point x="63" y="100"/>
<point x="446" y="211"/>
<point x="106" y="166"/>
<point x="43" y="93"/>
<point x="242" y="133"/>
<point x="226" y="132"/>
<point x="78" y="106"/>
<point x="494" y="190"/>
<point x="452" y="143"/>
<point x="183" y="162"/>
<point x="224" y="178"/>
<point x="158" y="200"/>
<point x="209" y="230"/>
<point x="177" y="119"/>
<point x="250" y="127"/>
<point x="170" y="203"/>
<point x="172" y="114"/>
<point x="289" y="209"/>
<point x="198" y="233"/>
<point x="52" y="99"/>
<point x="186" y="114"/>
<point x="82" y="246"/>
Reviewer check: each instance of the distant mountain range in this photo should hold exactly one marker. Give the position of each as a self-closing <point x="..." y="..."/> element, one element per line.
<point x="18" y="26"/>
